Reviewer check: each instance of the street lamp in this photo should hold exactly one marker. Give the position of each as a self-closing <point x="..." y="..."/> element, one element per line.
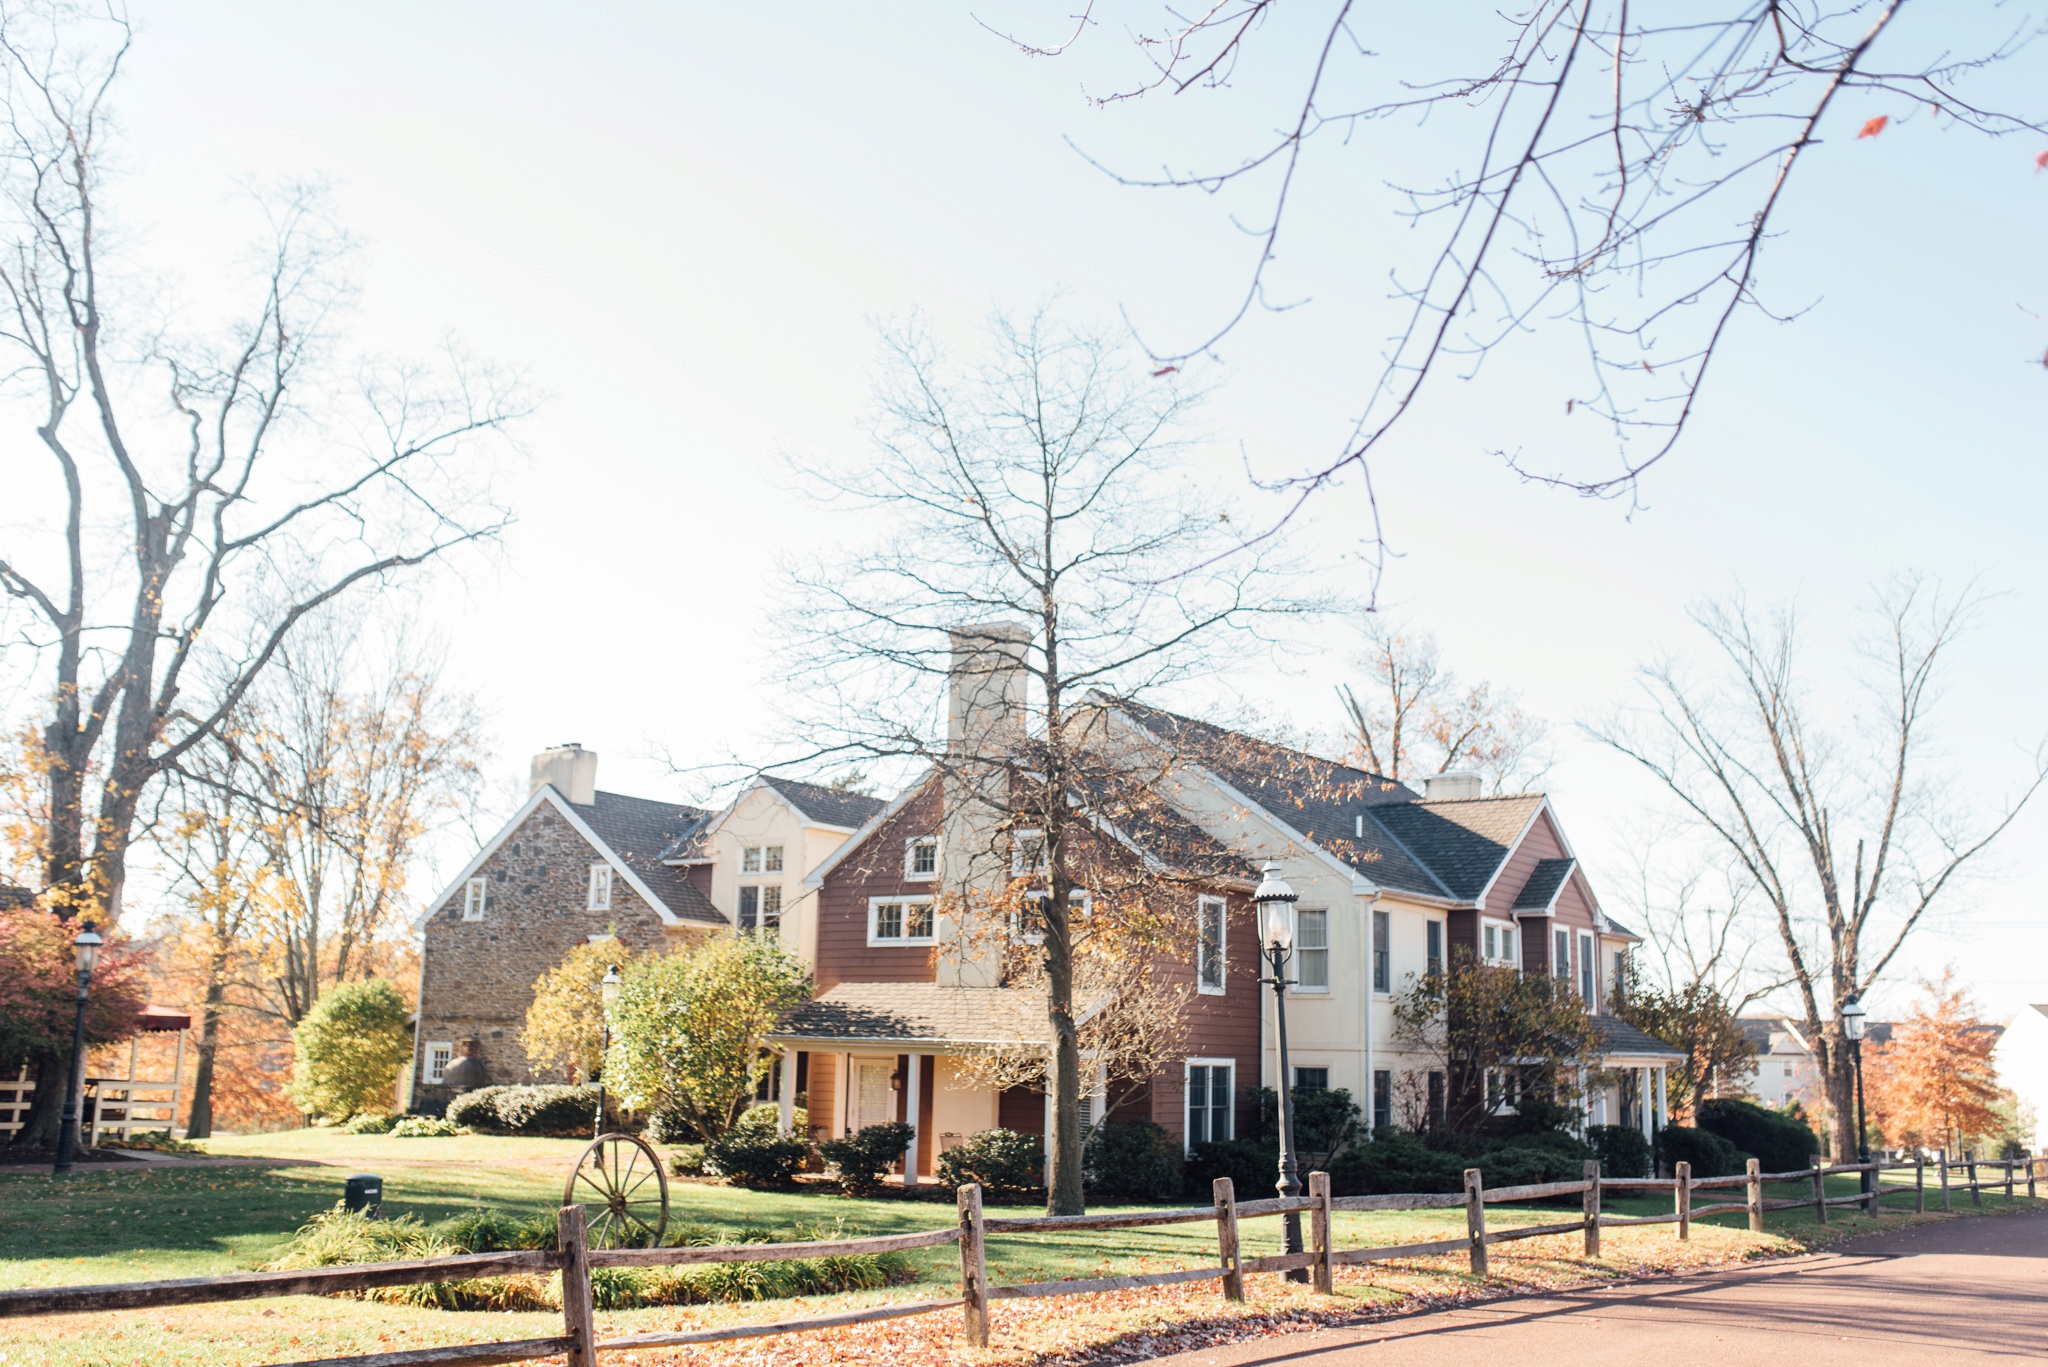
<point x="1852" y="1029"/>
<point x="1275" y="901"/>
<point x="85" y="950"/>
<point x="608" y="990"/>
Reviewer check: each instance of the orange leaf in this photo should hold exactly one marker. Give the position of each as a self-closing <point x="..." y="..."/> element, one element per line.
<point x="1875" y="126"/>
<point x="2041" y="161"/>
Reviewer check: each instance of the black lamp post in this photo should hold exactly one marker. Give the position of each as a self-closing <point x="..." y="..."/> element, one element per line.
<point x="1275" y="901"/>
<point x="1852" y="1030"/>
<point x="85" y="949"/>
<point x="608" y="989"/>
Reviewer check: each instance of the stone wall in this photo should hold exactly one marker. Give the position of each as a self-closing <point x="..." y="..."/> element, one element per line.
<point x="477" y="977"/>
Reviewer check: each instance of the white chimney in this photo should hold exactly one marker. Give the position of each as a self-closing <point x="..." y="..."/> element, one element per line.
<point x="1453" y="785"/>
<point x="570" y="768"/>
<point x="985" y="689"/>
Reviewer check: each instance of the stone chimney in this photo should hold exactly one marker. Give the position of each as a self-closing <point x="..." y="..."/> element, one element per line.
<point x="1452" y="785"/>
<point x="985" y="689"/>
<point x="570" y="768"/>
<point x="985" y="701"/>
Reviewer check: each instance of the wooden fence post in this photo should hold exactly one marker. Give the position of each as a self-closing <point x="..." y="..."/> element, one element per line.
<point x="1820" y="1192"/>
<point x="2008" y="1181"/>
<point x="1592" y="1209"/>
<point x="578" y="1325"/>
<point x="1226" y="1241"/>
<point x="1919" y="1181"/>
<point x="1944" y="1181"/>
<point x="973" y="1267"/>
<point x="1475" y="1218"/>
<point x="1876" y="1186"/>
<point x="1681" y="1197"/>
<point x="1319" y="1230"/>
<point x="1756" y="1197"/>
<point x="2031" y="1161"/>
<point x="1970" y="1167"/>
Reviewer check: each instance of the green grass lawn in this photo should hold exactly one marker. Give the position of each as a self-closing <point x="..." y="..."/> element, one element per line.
<point x="137" y="1222"/>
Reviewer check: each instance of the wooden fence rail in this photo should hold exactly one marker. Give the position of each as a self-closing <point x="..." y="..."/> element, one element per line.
<point x="575" y="1259"/>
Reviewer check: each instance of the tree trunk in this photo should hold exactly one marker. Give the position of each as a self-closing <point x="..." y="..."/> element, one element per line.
<point x="1840" y="1079"/>
<point x="46" y="1108"/>
<point x="200" y="1126"/>
<point x="1063" y="1195"/>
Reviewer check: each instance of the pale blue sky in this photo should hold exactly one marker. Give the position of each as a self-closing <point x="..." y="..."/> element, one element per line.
<point x="680" y="219"/>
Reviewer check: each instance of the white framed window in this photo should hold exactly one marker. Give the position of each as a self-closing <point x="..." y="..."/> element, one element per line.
<point x="1030" y="927"/>
<point x="439" y="1056"/>
<point x="1561" y="951"/>
<point x="1027" y="853"/>
<point x="899" y="921"/>
<point x="761" y="908"/>
<point x="1433" y="960"/>
<point x="761" y="859"/>
<point x="1212" y="915"/>
<point x="1618" y="984"/>
<point x="1588" y="966"/>
<point x="600" y="888"/>
<point x="1499" y="942"/>
<point x="771" y="859"/>
<point x="1211" y="1088"/>
<point x="921" y="858"/>
<point x="750" y="859"/>
<point x="771" y="909"/>
<point x="474" y="894"/>
<point x="1312" y="950"/>
<point x="1383" y="951"/>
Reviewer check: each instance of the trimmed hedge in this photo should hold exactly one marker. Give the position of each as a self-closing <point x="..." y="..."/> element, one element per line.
<point x="1780" y="1143"/>
<point x="539" y="1109"/>
<point x="1132" y="1161"/>
<point x="865" y="1156"/>
<point x="1621" y="1149"/>
<point x="1008" y="1165"/>
<point x="1709" y="1154"/>
<point x="757" y="1156"/>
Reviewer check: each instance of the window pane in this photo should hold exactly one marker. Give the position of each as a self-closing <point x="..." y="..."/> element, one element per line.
<point x="771" y="905"/>
<point x="1220" y="1089"/>
<point x="1210" y="948"/>
<point x="1312" y="968"/>
<point x="1382" y="955"/>
<point x="1493" y="942"/>
<point x="1382" y="1099"/>
<point x="750" y="904"/>
<point x="772" y="860"/>
<point x="750" y="859"/>
<point x="889" y="921"/>
<point x="1563" y="967"/>
<point x="1436" y="946"/>
<point x="918" y="920"/>
<point x="924" y="856"/>
<point x="1311" y="1079"/>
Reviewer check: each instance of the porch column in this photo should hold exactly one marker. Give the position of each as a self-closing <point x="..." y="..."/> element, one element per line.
<point x="910" y="1109"/>
<point x="786" y="1085"/>
<point x="1644" y="1103"/>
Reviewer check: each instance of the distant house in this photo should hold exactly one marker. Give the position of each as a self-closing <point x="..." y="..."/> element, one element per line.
<point x="1785" y="1068"/>
<point x="2022" y="1058"/>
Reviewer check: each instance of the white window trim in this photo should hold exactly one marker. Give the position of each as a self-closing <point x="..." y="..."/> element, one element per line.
<point x="1514" y="930"/>
<point x="754" y="850"/>
<point x="1222" y="946"/>
<point x="1570" y="975"/>
<point x="600" y="876"/>
<point x="1443" y="944"/>
<point x="1297" y="989"/>
<point x="476" y="899"/>
<point x="1076" y="897"/>
<point x="1588" y="968"/>
<point x="1187" y="1074"/>
<point x="910" y="873"/>
<point x="435" y="1077"/>
<point x="1017" y="869"/>
<point x="900" y="941"/>
<point x="781" y="858"/>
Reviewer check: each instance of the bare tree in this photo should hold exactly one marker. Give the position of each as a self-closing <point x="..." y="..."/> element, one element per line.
<point x="1750" y="760"/>
<point x="1034" y="538"/>
<point x="200" y="498"/>
<point x="1417" y="720"/>
<point x="1612" y="175"/>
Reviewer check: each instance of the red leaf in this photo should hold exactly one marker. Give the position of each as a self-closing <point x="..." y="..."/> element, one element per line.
<point x="1875" y="126"/>
<point x="1164" y="370"/>
<point x="1568" y="406"/>
<point x="2041" y="161"/>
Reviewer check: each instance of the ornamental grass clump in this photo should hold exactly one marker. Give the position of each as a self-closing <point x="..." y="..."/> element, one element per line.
<point x="337" y="1237"/>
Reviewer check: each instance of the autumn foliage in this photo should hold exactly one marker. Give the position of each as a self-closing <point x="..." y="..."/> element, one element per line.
<point x="1934" y="1082"/>
<point x="39" y="987"/>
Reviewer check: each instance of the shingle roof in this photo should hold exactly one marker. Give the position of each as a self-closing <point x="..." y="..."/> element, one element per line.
<point x="920" y="1013"/>
<point x="639" y="830"/>
<point x="15" y="899"/>
<point x="829" y="806"/>
<point x="1615" y="927"/>
<point x="1463" y="843"/>
<point x="1619" y="1037"/>
<point x="1545" y="881"/>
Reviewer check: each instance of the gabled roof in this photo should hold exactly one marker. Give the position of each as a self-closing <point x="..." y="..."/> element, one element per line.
<point x="1619" y="1039"/>
<point x="1464" y="843"/>
<point x="630" y="833"/>
<point x="1546" y="881"/>
<point x="918" y="1014"/>
<point x="827" y="806"/>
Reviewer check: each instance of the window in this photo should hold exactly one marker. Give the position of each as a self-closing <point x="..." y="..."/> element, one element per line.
<point x="771" y="909"/>
<point x="1562" y="968"/>
<point x="1312" y="950"/>
<point x="899" y="921"/>
<point x="1209" y="1101"/>
<point x="600" y="888"/>
<point x="1027" y="853"/>
<point x="750" y="908"/>
<point x="473" y="895"/>
<point x="1497" y="942"/>
<point x="771" y="859"/>
<point x="761" y="908"/>
<point x="439" y="1056"/>
<point x="1436" y="1099"/>
<point x="1030" y="926"/>
<point x="1503" y="1089"/>
<point x="1788" y="1067"/>
<point x="750" y="859"/>
<point x="1383" y="1098"/>
<point x="921" y="858"/>
<point x="1382" y="951"/>
<point x="1436" y="947"/>
<point x="1620" y="974"/>
<point x="1586" y="968"/>
<point x="1211" y="913"/>
<point x="1311" y="1079"/>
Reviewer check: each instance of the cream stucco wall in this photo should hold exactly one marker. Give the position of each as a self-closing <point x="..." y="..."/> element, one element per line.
<point x="762" y="817"/>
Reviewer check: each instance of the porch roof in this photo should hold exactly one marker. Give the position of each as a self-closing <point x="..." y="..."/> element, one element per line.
<point x="1621" y="1042"/>
<point x="928" y="1017"/>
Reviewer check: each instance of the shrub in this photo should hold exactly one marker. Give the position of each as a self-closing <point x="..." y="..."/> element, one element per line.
<point x="757" y="1157"/>
<point x="369" y="1124"/>
<point x="1621" y="1149"/>
<point x="338" y="1236"/>
<point x="548" y="1109"/>
<point x="671" y="1127"/>
<point x="425" y="1127"/>
<point x="1709" y="1154"/>
<point x="1781" y="1142"/>
<point x="349" y="1050"/>
<point x="1008" y="1165"/>
<point x="687" y="1160"/>
<point x="864" y="1157"/>
<point x="478" y="1109"/>
<point x="1134" y="1161"/>
<point x="1395" y="1161"/>
<point x="1252" y="1165"/>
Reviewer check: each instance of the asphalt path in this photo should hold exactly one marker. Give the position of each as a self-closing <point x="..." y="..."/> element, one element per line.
<point x="1967" y="1290"/>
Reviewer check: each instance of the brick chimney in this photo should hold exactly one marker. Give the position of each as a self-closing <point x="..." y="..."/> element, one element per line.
<point x="1453" y="785"/>
<point x="570" y="768"/>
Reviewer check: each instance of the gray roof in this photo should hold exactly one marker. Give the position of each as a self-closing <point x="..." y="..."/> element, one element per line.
<point x="1546" y="880"/>
<point x="1383" y="829"/>
<point x="921" y="1014"/>
<point x="15" y="899"/>
<point x="827" y="806"/>
<point x="1615" y="927"/>
<point x="638" y="830"/>
<point x="1619" y="1037"/>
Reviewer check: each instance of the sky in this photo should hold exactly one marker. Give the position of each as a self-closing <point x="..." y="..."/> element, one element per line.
<point x="682" y="222"/>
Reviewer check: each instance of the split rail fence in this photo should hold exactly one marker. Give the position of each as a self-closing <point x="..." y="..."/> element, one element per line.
<point x="575" y="1259"/>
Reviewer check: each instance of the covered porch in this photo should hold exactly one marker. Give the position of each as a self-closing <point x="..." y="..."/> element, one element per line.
<point x="1637" y="1065"/>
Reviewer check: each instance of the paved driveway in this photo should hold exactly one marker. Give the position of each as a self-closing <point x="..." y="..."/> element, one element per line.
<point x="1961" y="1291"/>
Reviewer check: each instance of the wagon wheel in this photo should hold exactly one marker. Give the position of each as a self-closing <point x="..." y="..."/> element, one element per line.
<point x="620" y="1179"/>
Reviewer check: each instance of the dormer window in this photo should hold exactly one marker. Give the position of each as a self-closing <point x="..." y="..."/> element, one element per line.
<point x="921" y="858"/>
<point x="761" y="859"/>
<point x="600" y="898"/>
<point x="473" y="895"/>
<point x="1499" y="943"/>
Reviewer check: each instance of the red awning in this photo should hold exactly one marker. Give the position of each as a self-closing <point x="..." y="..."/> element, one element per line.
<point x="163" y="1018"/>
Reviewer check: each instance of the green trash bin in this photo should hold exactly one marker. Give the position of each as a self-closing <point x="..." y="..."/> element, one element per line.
<point x="365" y="1192"/>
